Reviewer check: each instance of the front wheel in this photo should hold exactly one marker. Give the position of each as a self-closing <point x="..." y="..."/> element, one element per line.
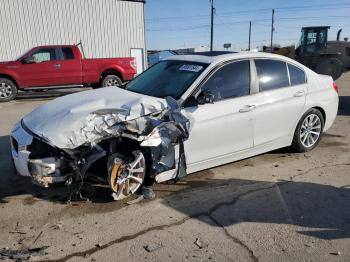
<point x="8" y="90"/>
<point x="111" y="80"/>
<point x="126" y="175"/>
<point x="309" y="131"/>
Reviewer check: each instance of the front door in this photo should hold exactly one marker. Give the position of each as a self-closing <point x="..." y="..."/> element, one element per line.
<point x="226" y="125"/>
<point x="40" y="69"/>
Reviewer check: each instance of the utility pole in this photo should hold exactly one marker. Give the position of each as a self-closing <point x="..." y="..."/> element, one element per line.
<point x="250" y="33"/>
<point x="212" y="25"/>
<point x="272" y="28"/>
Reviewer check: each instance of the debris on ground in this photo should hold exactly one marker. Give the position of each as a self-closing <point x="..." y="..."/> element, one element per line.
<point x="152" y="247"/>
<point x="17" y="232"/>
<point x="23" y="254"/>
<point x="148" y="193"/>
<point x="136" y="200"/>
<point x="36" y="239"/>
<point x="58" y="226"/>
<point x="198" y="243"/>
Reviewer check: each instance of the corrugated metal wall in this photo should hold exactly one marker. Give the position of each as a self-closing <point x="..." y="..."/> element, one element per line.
<point x="107" y="28"/>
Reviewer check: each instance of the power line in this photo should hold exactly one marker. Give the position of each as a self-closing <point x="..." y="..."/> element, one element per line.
<point x="282" y="9"/>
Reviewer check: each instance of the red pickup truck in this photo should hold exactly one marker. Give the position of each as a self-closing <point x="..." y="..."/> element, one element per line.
<point x="61" y="66"/>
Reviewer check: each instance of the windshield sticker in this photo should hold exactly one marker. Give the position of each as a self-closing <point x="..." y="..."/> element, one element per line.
<point x="191" y="68"/>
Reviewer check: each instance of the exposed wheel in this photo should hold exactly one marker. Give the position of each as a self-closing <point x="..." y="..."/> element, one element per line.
<point x="330" y="66"/>
<point x="8" y="90"/>
<point x="125" y="176"/>
<point x="309" y="131"/>
<point x="111" y="80"/>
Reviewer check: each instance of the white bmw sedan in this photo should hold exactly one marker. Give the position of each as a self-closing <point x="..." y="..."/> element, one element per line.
<point x="182" y="115"/>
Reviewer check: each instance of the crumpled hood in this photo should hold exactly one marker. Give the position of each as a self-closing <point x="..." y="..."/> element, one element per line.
<point x="59" y="121"/>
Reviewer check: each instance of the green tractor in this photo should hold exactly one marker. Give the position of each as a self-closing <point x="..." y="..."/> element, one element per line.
<point x="323" y="56"/>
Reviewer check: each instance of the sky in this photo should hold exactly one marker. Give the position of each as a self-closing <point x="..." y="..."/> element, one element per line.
<point x="173" y="24"/>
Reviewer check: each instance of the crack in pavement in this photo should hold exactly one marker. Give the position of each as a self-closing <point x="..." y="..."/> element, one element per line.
<point x="235" y="239"/>
<point x="197" y="215"/>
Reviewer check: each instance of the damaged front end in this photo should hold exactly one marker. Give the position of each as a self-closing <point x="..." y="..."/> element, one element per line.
<point x="120" y="136"/>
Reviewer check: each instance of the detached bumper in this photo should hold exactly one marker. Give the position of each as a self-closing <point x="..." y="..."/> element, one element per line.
<point x="44" y="171"/>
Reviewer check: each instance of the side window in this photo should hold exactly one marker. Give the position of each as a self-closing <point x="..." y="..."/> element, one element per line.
<point x="348" y="51"/>
<point x="42" y="55"/>
<point x="297" y="76"/>
<point x="272" y="74"/>
<point x="232" y="80"/>
<point x="67" y="53"/>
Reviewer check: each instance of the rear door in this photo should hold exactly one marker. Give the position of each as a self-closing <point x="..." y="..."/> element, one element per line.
<point x="40" y="68"/>
<point x="280" y="101"/>
<point x="70" y="67"/>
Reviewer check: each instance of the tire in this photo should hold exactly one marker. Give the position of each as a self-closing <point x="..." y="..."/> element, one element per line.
<point x="111" y="80"/>
<point x="330" y="66"/>
<point x="8" y="90"/>
<point x="301" y="141"/>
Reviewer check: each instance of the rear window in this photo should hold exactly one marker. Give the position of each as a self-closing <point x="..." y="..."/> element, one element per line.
<point x="272" y="74"/>
<point x="297" y="76"/>
<point x="67" y="53"/>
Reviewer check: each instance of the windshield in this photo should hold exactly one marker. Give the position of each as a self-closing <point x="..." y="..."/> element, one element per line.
<point x="167" y="78"/>
<point x="23" y="54"/>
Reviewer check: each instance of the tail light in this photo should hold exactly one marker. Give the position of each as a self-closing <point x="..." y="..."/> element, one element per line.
<point x="133" y="64"/>
<point x="335" y="87"/>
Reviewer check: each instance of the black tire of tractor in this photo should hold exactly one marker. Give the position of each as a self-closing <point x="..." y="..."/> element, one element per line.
<point x="331" y="66"/>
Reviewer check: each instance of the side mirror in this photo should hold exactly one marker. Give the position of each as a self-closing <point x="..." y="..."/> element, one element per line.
<point x="29" y="60"/>
<point x="190" y="102"/>
<point x="205" y="98"/>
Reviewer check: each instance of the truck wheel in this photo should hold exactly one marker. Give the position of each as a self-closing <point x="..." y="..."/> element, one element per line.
<point x="8" y="90"/>
<point x="111" y="80"/>
<point x="330" y="66"/>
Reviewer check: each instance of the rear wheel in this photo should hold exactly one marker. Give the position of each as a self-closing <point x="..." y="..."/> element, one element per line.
<point x="330" y="66"/>
<point x="111" y="80"/>
<point x="126" y="175"/>
<point x="8" y="90"/>
<point x="309" y="131"/>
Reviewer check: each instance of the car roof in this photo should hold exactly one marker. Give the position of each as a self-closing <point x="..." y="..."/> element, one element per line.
<point x="231" y="56"/>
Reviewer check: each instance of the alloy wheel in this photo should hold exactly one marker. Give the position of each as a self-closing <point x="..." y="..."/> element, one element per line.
<point x="310" y="130"/>
<point x="126" y="178"/>
<point x="112" y="82"/>
<point x="5" y="90"/>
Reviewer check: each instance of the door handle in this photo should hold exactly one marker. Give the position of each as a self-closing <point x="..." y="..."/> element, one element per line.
<point x="247" y="108"/>
<point x="57" y="65"/>
<point x="299" y="94"/>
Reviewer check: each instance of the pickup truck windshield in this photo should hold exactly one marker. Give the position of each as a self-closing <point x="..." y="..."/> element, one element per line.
<point x="167" y="78"/>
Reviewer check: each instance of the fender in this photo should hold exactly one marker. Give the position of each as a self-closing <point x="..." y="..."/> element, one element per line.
<point x="114" y="67"/>
<point x="12" y="76"/>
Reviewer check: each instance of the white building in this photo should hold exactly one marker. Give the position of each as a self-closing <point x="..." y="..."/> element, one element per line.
<point x="107" y="28"/>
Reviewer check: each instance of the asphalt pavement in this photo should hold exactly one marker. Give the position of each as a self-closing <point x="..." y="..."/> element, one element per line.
<point x="279" y="206"/>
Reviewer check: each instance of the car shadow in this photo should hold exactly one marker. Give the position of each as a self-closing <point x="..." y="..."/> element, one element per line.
<point x="322" y="209"/>
<point x="344" y="106"/>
